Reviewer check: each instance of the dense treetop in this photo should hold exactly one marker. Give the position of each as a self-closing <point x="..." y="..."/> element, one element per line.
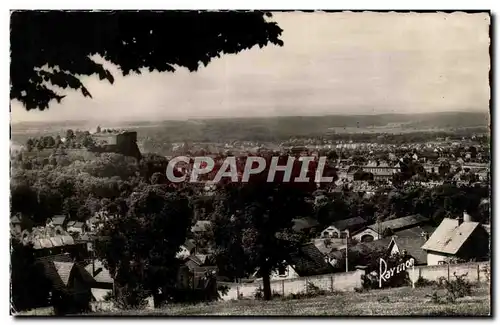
<point x="63" y="42"/>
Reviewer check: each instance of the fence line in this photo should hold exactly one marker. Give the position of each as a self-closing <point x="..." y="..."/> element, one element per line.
<point x="476" y="271"/>
<point x="329" y="282"/>
<point x="348" y="281"/>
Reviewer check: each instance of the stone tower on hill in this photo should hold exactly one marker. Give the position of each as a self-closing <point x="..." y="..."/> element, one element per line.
<point x="122" y="142"/>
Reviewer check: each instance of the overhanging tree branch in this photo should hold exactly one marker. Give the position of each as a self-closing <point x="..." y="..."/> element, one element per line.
<point x="64" y="42"/>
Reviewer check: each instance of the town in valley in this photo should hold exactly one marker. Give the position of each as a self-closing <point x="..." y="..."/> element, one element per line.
<point x="424" y="195"/>
<point x="250" y="163"/>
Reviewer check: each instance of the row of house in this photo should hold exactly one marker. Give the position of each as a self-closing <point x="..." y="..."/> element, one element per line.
<point x="454" y="240"/>
<point x="459" y="238"/>
<point x="66" y="259"/>
<point x="69" y="264"/>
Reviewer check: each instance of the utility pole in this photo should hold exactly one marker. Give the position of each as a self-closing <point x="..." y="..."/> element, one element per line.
<point x="346" y="251"/>
<point x="93" y="261"/>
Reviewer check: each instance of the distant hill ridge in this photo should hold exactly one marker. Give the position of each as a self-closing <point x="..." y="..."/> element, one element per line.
<point x="466" y="118"/>
<point x="281" y="127"/>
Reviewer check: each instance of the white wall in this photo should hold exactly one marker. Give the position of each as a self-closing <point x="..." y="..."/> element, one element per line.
<point x="289" y="274"/>
<point x="434" y="258"/>
<point x="366" y="232"/>
<point x="475" y="271"/>
<point x="336" y="282"/>
<point x="328" y="232"/>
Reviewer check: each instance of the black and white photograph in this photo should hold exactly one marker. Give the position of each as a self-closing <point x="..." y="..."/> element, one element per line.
<point x="183" y="163"/>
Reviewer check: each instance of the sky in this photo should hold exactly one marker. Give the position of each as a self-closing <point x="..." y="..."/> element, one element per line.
<point x="331" y="63"/>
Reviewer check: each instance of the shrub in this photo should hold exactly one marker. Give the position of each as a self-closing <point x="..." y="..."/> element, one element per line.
<point x="487" y="272"/>
<point x="456" y="288"/>
<point x="421" y="282"/>
<point x="368" y="282"/>
<point x="259" y="293"/>
<point x="131" y="298"/>
<point x="222" y="290"/>
<point x="312" y="291"/>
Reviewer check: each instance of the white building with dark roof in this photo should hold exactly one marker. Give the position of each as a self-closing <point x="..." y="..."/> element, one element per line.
<point x="338" y="228"/>
<point x="461" y="239"/>
<point x="376" y="231"/>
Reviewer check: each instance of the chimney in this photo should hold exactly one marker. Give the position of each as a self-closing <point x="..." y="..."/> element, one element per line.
<point x="467" y="217"/>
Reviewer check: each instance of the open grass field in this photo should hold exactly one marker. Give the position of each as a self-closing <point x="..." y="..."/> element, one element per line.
<point x="389" y="302"/>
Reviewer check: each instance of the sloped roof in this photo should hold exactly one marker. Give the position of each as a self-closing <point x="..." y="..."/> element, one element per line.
<point x="199" y="279"/>
<point x="52" y="275"/>
<point x="415" y="231"/>
<point x="68" y="240"/>
<point x="450" y="236"/>
<point x="201" y="225"/>
<point x="103" y="275"/>
<point x="189" y="244"/>
<point x="99" y="294"/>
<point x="59" y="273"/>
<point x="86" y="276"/>
<point x="204" y="269"/>
<point x="309" y="261"/>
<point x="194" y="259"/>
<point x="371" y="246"/>
<point x="45" y="243"/>
<point x="64" y="270"/>
<point x="349" y="223"/>
<point x="55" y="258"/>
<point x="304" y="223"/>
<point x="202" y="258"/>
<point x="75" y="224"/>
<point x="363" y="248"/>
<point x="337" y="254"/>
<point x="334" y="244"/>
<point x="15" y="220"/>
<point x="37" y="244"/>
<point x="56" y="241"/>
<point x="58" y="219"/>
<point x="399" y="223"/>
<point x="413" y="247"/>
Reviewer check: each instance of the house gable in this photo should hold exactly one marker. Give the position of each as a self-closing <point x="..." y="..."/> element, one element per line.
<point x="466" y="240"/>
<point x="449" y="237"/>
<point x="309" y="261"/>
<point x="331" y="231"/>
<point x="476" y="246"/>
<point x="366" y="235"/>
<point x="410" y="246"/>
<point x="284" y="273"/>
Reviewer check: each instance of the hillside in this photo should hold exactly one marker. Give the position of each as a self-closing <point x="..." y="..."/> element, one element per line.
<point x="403" y="301"/>
<point x="273" y="128"/>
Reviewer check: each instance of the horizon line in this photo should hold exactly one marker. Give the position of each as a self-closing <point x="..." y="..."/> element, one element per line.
<point x="255" y="117"/>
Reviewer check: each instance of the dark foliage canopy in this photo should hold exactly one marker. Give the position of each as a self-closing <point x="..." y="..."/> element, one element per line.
<point x="63" y="42"/>
<point x="143" y="243"/>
